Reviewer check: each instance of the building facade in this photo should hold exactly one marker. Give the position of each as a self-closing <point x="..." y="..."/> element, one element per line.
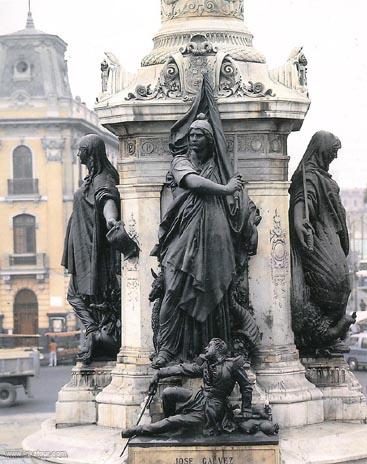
<point x="354" y="201"/>
<point x="40" y="126"/>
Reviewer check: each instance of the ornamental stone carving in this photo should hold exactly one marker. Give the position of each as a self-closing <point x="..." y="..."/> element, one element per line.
<point x="182" y="73"/>
<point x="293" y="74"/>
<point x="279" y="263"/>
<point x="145" y="147"/>
<point x="53" y="148"/>
<point x="172" y="9"/>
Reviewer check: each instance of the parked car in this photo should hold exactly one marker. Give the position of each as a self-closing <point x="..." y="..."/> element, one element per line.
<point x="357" y="356"/>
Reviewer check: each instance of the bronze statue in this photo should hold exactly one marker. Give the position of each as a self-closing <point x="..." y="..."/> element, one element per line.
<point x="208" y="411"/>
<point x="205" y="239"/>
<point x="93" y="242"/>
<point x="320" y="246"/>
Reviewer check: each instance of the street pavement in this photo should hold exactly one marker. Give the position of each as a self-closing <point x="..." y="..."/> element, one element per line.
<point x="27" y="414"/>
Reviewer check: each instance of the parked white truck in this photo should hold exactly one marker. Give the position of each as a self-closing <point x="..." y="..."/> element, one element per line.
<point x="17" y="367"/>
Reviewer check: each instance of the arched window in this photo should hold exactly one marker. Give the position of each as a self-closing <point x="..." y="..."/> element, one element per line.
<point x="24" y="229"/>
<point x="22" y="163"/>
<point x="22" y="182"/>
<point x="25" y="312"/>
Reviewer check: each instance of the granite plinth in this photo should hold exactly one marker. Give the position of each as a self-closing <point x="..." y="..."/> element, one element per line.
<point x="343" y="396"/>
<point x="223" y="449"/>
<point x="76" y="402"/>
<point x="326" y="443"/>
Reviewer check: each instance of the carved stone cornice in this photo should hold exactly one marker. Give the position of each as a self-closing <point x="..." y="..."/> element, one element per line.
<point x="59" y="124"/>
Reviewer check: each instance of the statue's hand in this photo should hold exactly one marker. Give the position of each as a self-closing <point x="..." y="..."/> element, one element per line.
<point x="305" y="233"/>
<point x="154" y="384"/>
<point x="235" y="184"/>
<point x="111" y="223"/>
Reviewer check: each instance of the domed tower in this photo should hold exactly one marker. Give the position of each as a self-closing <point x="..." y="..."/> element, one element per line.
<point x="33" y="68"/>
<point x="40" y="125"/>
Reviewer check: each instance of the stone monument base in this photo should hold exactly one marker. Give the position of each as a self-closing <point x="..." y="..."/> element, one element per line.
<point x="226" y="449"/>
<point x="329" y="442"/>
<point x="343" y="396"/>
<point x="76" y="403"/>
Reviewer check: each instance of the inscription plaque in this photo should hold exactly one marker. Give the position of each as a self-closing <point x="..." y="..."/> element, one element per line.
<point x="237" y="449"/>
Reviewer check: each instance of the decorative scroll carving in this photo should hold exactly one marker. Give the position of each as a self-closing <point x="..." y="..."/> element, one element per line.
<point x="293" y="73"/>
<point x="171" y="9"/>
<point x="199" y="46"/>
<point x="231" y="82"/>
<point x="53" y="148"/>
<point x="279" y="263"/>
<point x="181" y="76"/>
<point x="196" y="58"/>
<point x="170" y="80"/>
<point x="132" y="230"/>
<point x="278" y="239"/>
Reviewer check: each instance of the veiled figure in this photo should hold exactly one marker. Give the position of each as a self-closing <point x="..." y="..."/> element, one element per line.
<point x="88" y="257"/>
<point x="320" y="246"/>
<point x="205" y="239"/>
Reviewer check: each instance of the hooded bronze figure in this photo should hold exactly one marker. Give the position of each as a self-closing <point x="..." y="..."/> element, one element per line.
<point x="320" y="246"/>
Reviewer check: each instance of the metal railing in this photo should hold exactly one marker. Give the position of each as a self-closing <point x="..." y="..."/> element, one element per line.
<point x="22" y="186"/>
<point x="28" y="259"/>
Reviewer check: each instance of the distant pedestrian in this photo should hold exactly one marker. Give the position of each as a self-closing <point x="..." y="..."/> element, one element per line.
<point x="53" y="353"/>
<point x="362" y="305"/>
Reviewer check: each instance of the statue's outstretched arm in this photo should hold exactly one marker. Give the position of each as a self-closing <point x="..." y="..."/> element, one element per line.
<point x="202" y="185"/>
<point x="110" y="213"/>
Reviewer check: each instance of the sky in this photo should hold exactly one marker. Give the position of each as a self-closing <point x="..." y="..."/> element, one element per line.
<point x="332" y="32"/>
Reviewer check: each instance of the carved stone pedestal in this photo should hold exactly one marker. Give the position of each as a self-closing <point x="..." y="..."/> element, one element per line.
<point x="343" y="396"/>
<point x="279" y="372"/>
<point x="225" y="449"/>
<point x="258" y="114"/>
<point x="119" y="403"/>
<point x="76" y="402"/>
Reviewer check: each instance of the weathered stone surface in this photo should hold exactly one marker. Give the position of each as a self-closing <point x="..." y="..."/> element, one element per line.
<point x="213" y="450"/>
<point x="343" y="396"/>
<point x="76" y="402"/>
<point x="331" y="443"/>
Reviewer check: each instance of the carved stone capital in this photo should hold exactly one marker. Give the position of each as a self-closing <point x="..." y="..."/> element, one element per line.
<point x="53" y="148"/>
